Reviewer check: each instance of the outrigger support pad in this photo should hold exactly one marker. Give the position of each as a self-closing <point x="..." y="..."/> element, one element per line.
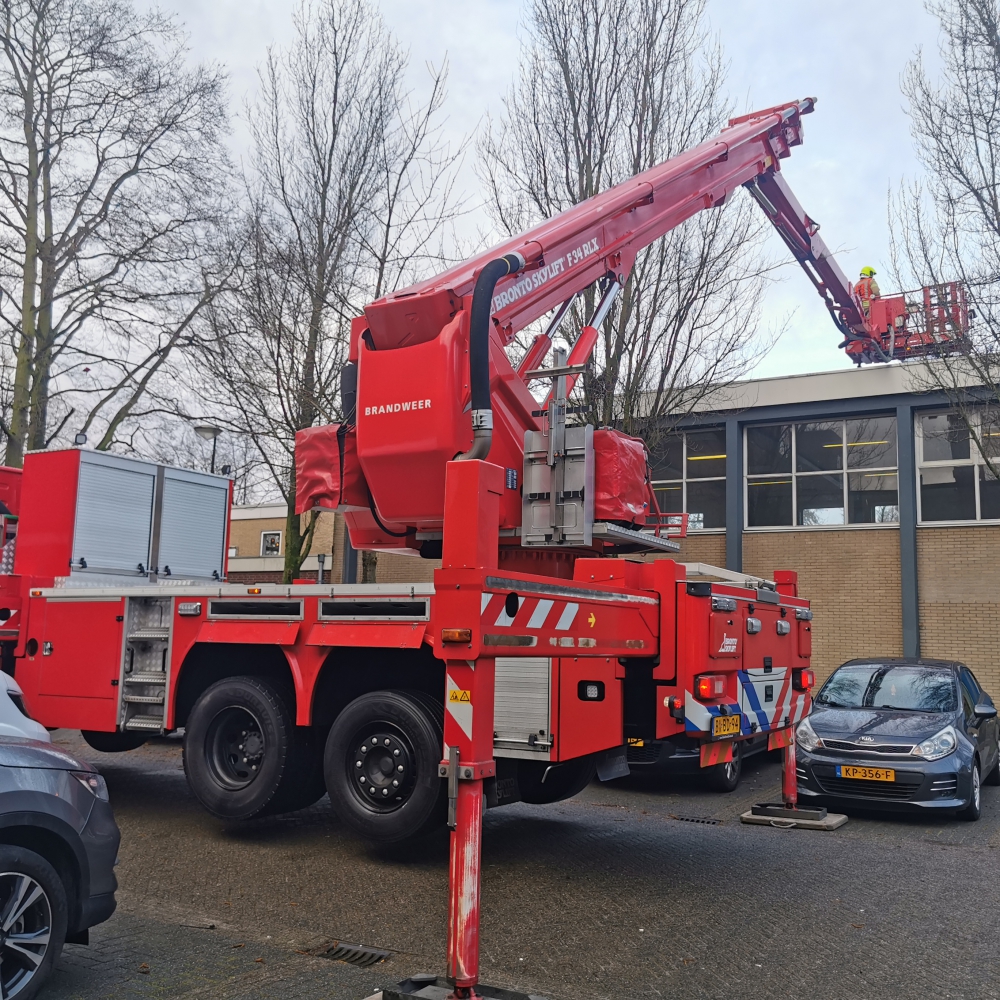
<point x="778" y="810"/>
<point x="430" y="987"/>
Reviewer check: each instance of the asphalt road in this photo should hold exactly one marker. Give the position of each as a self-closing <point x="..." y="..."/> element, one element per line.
<point x="613" y="894"/>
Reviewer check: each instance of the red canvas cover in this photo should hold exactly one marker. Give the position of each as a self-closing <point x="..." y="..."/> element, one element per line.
<point x="317" y="468"/>
<point x="327" y="473"/>
<point x="620" y="491"/>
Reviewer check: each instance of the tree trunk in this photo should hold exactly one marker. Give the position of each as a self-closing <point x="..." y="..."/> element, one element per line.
<point x="369" y="565"/>
<point x="21" y="403"/>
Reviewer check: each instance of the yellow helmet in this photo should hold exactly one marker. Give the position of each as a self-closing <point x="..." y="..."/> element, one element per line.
<point x="868" y="272"/>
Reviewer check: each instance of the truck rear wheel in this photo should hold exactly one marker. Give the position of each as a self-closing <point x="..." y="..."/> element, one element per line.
<point x="381" y="765"/>
<point x="302" y="783"/>
<point x="239" y="748"/>
<point x="541" y="782"/>
<point x="726" y="777"/>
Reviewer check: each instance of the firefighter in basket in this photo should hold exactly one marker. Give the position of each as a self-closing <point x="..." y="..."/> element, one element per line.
<point x="867" y="288"/>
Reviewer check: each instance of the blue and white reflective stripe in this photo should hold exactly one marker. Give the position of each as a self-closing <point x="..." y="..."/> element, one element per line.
<point x="751" y="694"/>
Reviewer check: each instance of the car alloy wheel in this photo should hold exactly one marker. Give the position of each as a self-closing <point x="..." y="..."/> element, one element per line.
<point x="25" y="931"/>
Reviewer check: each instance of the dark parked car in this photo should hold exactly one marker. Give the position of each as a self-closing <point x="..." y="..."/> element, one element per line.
<point x="58" y="846"/>
<point x="901" y="734"/>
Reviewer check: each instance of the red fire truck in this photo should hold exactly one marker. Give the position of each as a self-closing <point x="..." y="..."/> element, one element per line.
<point x="548" y="639"/>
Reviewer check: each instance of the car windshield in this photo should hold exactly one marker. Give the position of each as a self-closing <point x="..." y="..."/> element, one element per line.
<point x="890" y="685"/>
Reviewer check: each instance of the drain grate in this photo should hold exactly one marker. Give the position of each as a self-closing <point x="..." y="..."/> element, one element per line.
<point x="704" y="820"/>
<point x="355" y="954"/>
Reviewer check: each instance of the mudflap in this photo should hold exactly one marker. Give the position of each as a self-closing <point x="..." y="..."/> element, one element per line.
<point x="613" y="764"/>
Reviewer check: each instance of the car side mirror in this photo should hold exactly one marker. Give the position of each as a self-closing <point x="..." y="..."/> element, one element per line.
<point x="985" y="711"/>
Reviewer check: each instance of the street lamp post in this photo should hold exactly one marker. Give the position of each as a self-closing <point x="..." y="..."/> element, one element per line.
<point x="209" y="432"/>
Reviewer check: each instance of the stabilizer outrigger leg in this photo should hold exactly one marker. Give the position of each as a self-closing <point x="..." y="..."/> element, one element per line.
<point x="787" y="813"/>
<point x="472" y="506"/>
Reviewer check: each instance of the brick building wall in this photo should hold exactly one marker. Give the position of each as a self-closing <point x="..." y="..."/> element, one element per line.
<point x="851" y="578"/>
<point x="703" y="548"/>
<point x="958" y="576"/>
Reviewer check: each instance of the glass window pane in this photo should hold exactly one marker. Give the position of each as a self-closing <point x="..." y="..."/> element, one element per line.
<point x="668" y="457"/>
<point x="819" y="447"/>
<point x="670" y="498"/>
<point x="872" y="497"/>
<point x="821" y="499"/>
<point x="989" y="494"/>
<point x="989" y="423"/>
<point x="871" y="443"/>
<point x="769" y="502"/>
<point x="769" y="449"/>
<point x="706" y="454"/>
<point x="948" y="494"/>
<point x="707" y="505"/>
<point x="945" y="435"/>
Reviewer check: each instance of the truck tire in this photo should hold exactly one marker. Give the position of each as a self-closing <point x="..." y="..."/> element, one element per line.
<point x="562" y="781"/>
<point x="240" y="748"/>
<point x="39" y="930"/>
<point x="302" y="784"/>
<point x="112" y="742"/>
<point x="726" y="777"/>
<point x="381" y="765"/>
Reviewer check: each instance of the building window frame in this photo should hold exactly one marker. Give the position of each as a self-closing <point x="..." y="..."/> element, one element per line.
<point x="844" y="472"/>
<point x="661" y="484"/>
<point x="975" y="461"/>
<point x="264" y="536"/>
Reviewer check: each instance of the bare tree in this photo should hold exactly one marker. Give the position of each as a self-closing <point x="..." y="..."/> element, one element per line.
<point x="606" y="89"/>
<point x="349" y="186"/>
<point x="946" y="227"/>
<point x="111" y="162"/>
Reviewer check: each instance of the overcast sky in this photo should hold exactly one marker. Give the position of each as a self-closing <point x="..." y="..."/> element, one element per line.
<point x="849" y="55"/>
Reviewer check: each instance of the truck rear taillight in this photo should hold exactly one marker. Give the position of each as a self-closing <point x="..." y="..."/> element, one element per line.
<point x="803" y="679"/>
<point x="456" y="635"/>
<point x="710" y="686"/>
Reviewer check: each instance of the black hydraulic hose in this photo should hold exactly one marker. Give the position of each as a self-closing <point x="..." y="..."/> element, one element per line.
<point x="479" y="352"/>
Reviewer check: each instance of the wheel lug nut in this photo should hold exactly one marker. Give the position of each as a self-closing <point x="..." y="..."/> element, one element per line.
<point x="357" y="763"/>
<point x="374" y="741"/>
<point x="399" y="767"/>
<point x="386" y="742"/>
<point x="395" y="783"/>
<point x="372" y="789"/>
<point x="385" y="791"/>
<point x="254" y="767"/>
<point x="244" y="760"/>
<point x="395" y="753"/>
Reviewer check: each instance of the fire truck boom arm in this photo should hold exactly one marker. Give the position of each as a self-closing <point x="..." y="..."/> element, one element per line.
<point x="601" y="237"/>
<point x="801" y="236"/>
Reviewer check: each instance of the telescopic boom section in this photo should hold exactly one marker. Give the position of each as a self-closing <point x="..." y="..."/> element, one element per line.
<point x="801" y="236"/>
<point x="600" y="237"/>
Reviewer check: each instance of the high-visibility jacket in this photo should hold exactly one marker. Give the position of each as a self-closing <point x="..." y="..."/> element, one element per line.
<point x="866" y="290"/>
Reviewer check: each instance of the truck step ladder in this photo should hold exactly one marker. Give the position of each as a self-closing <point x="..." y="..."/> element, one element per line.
<point x="145" y="664"/>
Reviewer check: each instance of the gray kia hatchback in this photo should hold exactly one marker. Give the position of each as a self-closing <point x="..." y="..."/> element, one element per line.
<point x="58" y="847"/>
<point x="904" y="734"/>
